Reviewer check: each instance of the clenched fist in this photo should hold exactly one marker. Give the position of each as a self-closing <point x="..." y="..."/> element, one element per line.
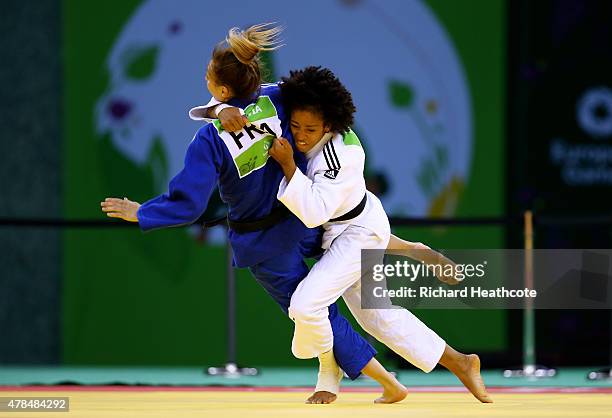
<point x="281" y="151"/>
<point x="232" y="120"/>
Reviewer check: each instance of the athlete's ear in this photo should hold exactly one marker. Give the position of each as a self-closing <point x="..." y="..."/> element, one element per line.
<point x="327" y="128"/>
<point x="225" y="93"/>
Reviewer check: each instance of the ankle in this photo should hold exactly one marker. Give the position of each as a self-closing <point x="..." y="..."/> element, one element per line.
<point x="453" y="360"/>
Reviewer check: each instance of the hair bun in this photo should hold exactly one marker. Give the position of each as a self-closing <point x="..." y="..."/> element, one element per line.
<point x="247" y="44"/>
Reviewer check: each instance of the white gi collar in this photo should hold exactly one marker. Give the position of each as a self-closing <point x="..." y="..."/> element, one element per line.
<point x="324" y="139"/>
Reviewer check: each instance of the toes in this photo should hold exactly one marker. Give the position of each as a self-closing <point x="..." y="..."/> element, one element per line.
<point x="485" y="399"/>
<point x="321" y="398"/>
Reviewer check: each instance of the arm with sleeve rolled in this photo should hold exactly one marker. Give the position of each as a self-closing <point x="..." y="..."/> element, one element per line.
<point x="232" y="118"/>
<point x="316" y="201"/>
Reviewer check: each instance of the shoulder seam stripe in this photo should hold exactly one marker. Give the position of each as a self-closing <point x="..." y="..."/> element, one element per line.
<point x="329" y="166"/>
<point x="332" y="165"/>
<point x="333" y="149"/>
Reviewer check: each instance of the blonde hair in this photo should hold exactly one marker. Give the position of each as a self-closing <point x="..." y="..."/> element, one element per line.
<point x="247" y="44"/>
<point x="235" y="63"/>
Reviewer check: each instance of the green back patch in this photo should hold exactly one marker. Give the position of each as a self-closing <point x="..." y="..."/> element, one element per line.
<point x="249" y="147"/>
<point x="350" y="138"/>
<point x="255" y="157"/>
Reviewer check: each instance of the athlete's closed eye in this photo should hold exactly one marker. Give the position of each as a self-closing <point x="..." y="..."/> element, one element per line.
<point x="297" y="126"/>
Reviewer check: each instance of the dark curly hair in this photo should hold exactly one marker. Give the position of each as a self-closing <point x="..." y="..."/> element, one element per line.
<point x="319" y="90"/>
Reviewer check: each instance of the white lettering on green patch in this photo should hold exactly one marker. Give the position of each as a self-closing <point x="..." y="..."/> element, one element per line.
<point x="262" y="109"/>
<point x="249" y="147"/>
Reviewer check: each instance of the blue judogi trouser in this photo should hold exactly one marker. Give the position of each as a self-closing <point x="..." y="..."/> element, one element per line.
<point x="280" y="276"/>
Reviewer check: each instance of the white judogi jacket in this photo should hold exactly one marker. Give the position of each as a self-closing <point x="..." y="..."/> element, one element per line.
<point x="334" y="185"/>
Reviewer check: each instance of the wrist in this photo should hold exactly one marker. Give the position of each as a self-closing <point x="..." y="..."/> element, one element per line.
<point x="218" y="108"/>
<point x="289" y="169"/>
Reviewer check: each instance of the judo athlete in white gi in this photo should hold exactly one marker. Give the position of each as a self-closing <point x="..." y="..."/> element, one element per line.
<point x="332" y="193"/>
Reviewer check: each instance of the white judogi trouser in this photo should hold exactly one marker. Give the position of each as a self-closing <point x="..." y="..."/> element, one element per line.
<point x="338" y="274"/>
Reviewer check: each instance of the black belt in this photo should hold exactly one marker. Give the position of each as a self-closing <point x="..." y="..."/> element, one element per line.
<point x="353" y="213"/>
<point x="214" y="222"/>
<point x="277" y="215"/>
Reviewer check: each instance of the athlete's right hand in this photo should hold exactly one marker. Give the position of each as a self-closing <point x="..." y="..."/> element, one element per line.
<point x="120" y="208"/>
<point x="232" y="120"/>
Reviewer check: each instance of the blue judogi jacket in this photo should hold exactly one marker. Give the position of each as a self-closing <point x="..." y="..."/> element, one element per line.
<point x="208" y="162"/>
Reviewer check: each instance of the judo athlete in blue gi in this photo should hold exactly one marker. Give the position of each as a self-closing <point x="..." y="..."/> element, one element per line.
<point x="265" y="237"/>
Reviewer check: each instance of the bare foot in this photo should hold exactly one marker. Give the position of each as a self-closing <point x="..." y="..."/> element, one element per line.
<point x="471" y="378"/>
<point x="328" y="381"/>
<point x="393" y="394"/>
<point x="321" y="397"/>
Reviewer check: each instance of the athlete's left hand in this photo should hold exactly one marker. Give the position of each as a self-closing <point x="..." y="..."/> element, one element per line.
<point x="282" y="152"/>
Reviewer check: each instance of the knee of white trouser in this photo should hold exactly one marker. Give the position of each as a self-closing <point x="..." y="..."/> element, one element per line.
<point x="301" y="312"/>
<point x="301" y="353"/>
<point x="304" y="349"/>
